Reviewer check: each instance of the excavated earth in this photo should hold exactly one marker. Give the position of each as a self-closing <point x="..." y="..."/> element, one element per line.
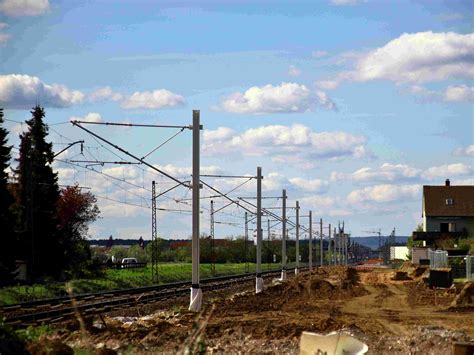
<point x="392" y="313"/>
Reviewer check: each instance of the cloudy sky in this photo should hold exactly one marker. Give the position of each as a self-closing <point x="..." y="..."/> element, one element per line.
<point x="350" y="105"/>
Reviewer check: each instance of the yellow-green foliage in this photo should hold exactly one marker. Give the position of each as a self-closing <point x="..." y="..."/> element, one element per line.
<point x="467" y="243"/>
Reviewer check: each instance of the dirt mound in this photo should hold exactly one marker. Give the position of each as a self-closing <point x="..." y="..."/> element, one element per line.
<point x="407" y="266"/>
<point x="267" y="315"/>
<point x="465" y="297"/>
<point x="420" y="295"/>
<point x="401" y="276"/>
<point x="420" y="271"/>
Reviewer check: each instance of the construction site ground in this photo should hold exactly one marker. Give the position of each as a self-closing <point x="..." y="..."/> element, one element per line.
<point x="392" y="312"/>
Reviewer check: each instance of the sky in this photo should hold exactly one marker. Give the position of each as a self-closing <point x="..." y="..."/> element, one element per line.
<point x="350" y="105"/>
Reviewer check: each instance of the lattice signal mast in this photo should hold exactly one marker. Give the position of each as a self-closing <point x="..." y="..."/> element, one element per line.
<point x="379" y="233"/>
<point x="213" y="261"/>
<point x="154" y="237"/>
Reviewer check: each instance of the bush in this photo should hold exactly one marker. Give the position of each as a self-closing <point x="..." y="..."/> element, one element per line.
<point x="10" y="342"/>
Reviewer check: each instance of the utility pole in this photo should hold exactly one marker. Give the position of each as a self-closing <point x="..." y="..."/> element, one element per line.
<point x="310" y="251"/>
<point x="283" y="237"/>
<point x="196" y="292"/>
<point x="246" y="239"/>
<point x="297" y="237"/>
<point x="322" y="241"/>
<point x="331" y="255"/>
<point x="154" y="236"/>
<point x="259" y="279"/>
<point x="269" y="253"/>
<point x="213" y="262"/>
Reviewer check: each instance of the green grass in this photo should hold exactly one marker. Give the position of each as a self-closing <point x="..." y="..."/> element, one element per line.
<point x="117" y="279"/>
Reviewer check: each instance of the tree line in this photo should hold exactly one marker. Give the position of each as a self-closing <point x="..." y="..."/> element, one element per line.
<point x="41" y="224"/>
<point x="229" y="250"/>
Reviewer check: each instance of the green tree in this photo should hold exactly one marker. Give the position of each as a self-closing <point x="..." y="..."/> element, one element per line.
<point x="415" y="243"/>
<point x="38" y="197"/>
<point x="7" y="221"/>
<point x="135" y="251"/>
<point x="119" y="252"/>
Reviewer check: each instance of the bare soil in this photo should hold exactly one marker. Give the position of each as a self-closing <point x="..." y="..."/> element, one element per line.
<point x="392" y="316"/>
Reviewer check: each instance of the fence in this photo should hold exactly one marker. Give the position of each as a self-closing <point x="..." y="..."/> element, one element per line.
<point x="128" y="266"/>
<point x="462" y="266"/>
<point x="438" y="259"/>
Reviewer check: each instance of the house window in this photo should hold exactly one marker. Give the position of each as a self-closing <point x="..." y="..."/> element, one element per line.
<point x="449" y="201"/>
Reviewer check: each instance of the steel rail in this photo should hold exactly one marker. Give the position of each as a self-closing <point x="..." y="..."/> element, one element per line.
<point x="62" y="308"/>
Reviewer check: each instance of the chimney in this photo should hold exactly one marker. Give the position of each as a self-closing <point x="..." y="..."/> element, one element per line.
<point x="447" y="182"/>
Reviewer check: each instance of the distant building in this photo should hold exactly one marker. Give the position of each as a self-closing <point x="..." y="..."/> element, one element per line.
<point x="448" y="213"/>
<point x="399" y="252"/>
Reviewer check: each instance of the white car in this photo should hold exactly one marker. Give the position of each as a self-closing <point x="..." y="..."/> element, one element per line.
<point x="128" y="261"/>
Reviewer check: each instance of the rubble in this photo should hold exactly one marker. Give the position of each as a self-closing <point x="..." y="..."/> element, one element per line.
<point x="390" y="316"/>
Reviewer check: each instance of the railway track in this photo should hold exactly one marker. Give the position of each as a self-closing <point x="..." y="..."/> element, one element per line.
<point x="62" y="309"/>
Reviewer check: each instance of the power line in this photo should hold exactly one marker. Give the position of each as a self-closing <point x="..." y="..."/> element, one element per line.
<point x="129" y="154"/>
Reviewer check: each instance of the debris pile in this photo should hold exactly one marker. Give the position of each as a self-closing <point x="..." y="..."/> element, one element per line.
<point x="390" y="316"/>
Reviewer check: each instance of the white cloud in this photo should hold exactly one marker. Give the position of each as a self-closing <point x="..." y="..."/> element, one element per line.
<point x="467" y="151"/>
<point x="416" y="58"/>
<point x="445" y="171"/>
<point x="4" y="37"/>
<point x="156" y="99"/>
<point x="386" y="172"/>
<point x="319" y="54"/>
<point x="284" y="98"/>
<point x="457" y="181"/>
<point x="385" y="193"/>
<point x="400" y="172"/>
<point x="346" y="2"/>
<point x="327" y="84"/>
<point x="459" y="93"/>
<point x="65" y="173"/>
<point x="285" y="142"/>
<point x="18" y="128"/>
<point x="105" y="93"/>
<point x="111" y="209"/>
<point x="452" y="17"/>
<point x="314" y="185"/>
<point x="186" y="171"/>
<point x="324" y="206"/>
<point x="325" y="101"/>
<point x="294" y="71"/>
<point x="122" y="172"/>
<point x="219" y="134"/>
<point x="90" y="117"/>
<point x="274" y="181"/>
<point x="453" y="93"/>
<point x="24" y="91"/>
<point x="24" y="7"/>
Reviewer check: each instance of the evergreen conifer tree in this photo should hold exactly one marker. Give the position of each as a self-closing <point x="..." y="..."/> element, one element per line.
<point x="39" y="193"/>
<point x="7" y="221"/>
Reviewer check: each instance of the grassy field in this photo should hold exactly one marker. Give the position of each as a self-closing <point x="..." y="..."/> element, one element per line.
<point x="116" y="279"/>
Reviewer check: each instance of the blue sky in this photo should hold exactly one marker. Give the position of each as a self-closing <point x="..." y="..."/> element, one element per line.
<point x="352" y="106"/>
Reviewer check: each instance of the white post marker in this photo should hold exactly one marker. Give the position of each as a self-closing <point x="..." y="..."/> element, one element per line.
<point x="297" y="237"/>
<point x="283" y="237"/>
<point x="196" y="292"/>
<point x="259" y="279"/>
